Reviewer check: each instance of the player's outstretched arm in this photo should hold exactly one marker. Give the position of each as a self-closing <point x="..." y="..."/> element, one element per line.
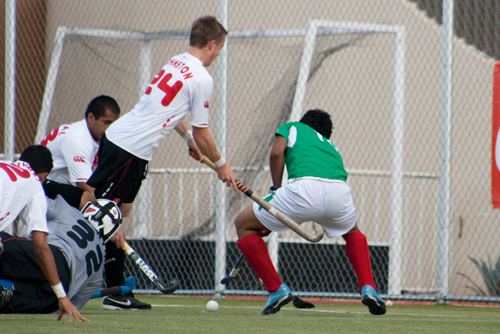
<point x="209" y="149"/>
<point x="47" y="264"/>
<point x="183" y="130"/>
<point x="277" y="160"/>
<point x="66" y="307"/>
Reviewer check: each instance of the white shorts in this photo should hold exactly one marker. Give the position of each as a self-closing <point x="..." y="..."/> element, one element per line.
<point x="326" y="203"/>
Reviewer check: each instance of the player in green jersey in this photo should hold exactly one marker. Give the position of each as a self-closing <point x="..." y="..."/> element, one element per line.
<point x="316" y="191"/>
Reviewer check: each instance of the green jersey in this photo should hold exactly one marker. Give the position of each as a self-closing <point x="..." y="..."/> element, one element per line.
<point x="309" y="154"/>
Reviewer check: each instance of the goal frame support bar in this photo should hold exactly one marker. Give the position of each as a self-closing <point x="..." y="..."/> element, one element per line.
<point x="397" y="123"/>
<point x="315" y="27"/>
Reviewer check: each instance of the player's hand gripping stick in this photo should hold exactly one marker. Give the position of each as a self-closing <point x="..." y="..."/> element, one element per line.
<point x="272" y="210"/>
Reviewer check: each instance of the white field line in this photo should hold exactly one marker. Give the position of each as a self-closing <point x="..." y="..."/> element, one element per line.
<point x="320" y="311"/>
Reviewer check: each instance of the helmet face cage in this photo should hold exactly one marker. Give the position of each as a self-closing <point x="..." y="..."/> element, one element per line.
<point x="105" y="216"/>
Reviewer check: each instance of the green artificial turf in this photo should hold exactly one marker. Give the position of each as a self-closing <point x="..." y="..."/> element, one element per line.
<point x="189" y="315"/>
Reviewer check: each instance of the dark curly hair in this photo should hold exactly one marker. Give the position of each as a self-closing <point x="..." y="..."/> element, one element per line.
<point x="319" y="120"/>
<point x="39" y="158"/>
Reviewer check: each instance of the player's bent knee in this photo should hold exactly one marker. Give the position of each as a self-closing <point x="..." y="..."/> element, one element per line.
<point x="246" y="221"/>
<point x="238" y="223"/>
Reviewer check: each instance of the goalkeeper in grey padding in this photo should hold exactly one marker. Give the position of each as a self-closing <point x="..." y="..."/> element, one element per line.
<point x="78" y="248"/>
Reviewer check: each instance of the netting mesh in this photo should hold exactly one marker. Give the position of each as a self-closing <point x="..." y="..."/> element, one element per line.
<point x="178" y="199"/>
<point x="173" y="221"/>
<point x="92" y="65"/>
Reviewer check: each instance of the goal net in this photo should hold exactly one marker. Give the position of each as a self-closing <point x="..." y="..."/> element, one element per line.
<point x="273" y="77"/>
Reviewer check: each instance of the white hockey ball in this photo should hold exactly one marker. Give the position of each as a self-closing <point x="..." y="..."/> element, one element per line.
<point x="389" y="303"/>
<point x="212" y="306"/>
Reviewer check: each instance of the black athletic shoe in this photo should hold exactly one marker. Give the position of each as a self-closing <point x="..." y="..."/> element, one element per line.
<point x="126" y="302"/>
<point x="5" y="296"/>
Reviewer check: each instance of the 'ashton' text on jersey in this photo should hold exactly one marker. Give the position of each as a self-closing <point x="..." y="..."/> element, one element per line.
<point x="181" y="67"/>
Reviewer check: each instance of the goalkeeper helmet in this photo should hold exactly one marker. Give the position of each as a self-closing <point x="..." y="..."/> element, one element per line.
<point x="105" y="216"/>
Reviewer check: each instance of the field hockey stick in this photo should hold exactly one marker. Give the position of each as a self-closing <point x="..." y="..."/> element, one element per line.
<point x="116" y="290"/>
<point x="297" y="302"/>
<point x="153" y="277"/>
<point x="272" y="210"/>
<point x="235" y="270"/>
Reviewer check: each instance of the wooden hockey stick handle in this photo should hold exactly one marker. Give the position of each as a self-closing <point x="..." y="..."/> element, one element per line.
<point x="291" y="224"/>
<point x="127" y="247"/>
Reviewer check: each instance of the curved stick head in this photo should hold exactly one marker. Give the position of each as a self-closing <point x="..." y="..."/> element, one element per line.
<point x="318" y="237"/>
<point x="225" y="280"/>
<point x="174" y="284"/>
<point x="306" y="233"/>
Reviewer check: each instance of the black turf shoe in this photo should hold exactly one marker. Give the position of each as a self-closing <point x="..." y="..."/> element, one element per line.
<point x="126" y="302"/>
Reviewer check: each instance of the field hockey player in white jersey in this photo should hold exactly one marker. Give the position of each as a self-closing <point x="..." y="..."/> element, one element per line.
<point x="22" y="198"/>
<point x="74" y="150"/>
<point x="183" y="85"/>
<point x="316" y="191"/>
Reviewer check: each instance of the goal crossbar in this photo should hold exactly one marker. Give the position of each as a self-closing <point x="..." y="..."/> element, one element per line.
<point x="316" y="28"/>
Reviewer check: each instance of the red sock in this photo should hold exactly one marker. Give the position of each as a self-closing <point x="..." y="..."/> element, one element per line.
<point x="357" y="251"/>
<point x="256" y="252"/>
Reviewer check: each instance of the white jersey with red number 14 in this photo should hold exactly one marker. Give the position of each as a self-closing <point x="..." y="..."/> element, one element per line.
<point x="74" y="152"/>
<point x="21" y="197"/>
<point x="183" y="85"/>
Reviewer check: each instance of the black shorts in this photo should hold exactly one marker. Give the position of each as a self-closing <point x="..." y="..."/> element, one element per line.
<point x="32" y="293"/>
<point x="118" y="175"/>
<point x="71" y="194"/>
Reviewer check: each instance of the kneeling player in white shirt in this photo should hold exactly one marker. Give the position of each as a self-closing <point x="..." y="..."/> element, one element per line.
<point x="22" y="197"/>
<point x="74" y="150"/>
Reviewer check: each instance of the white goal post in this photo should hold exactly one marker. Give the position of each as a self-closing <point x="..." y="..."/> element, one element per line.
<point x="62" y="32"/>
<point x="397" y="119"/>
<point x="316" y="28"/>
